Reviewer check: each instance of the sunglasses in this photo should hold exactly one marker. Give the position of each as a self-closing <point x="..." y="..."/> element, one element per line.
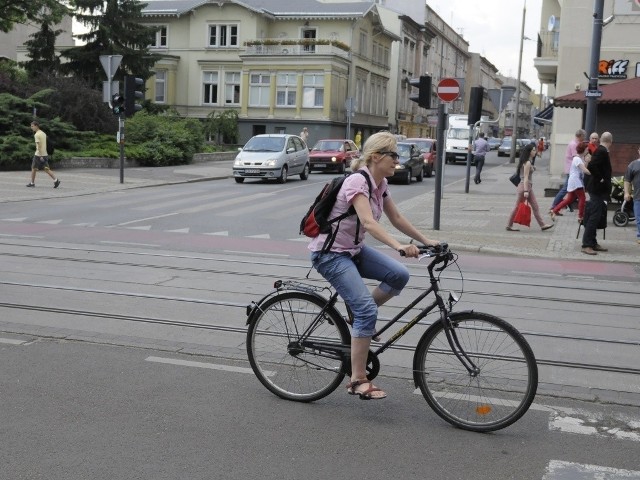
<point x="393" y="155"/>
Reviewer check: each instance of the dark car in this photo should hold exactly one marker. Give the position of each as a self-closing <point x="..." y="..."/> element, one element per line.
<point x="411" y="163"/>
<point x="427" y="147"/>
<point x="333" y="154"/>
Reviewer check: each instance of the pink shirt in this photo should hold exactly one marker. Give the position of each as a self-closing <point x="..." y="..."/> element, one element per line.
<point x="569" y="154"/>
<point x="352" y="186"/>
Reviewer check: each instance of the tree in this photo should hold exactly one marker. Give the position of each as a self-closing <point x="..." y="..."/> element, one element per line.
<point x="42" y="51"/>
<point x="113" y="31"/>
<point x="30" y="11"/>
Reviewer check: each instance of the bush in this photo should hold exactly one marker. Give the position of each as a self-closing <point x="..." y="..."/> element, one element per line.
<point x="162" y="140"/>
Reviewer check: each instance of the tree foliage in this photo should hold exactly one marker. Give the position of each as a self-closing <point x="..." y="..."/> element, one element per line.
<point x="222" y="127"/>
<point x="114" y="29"/>
<point x="30" y="11"/>
<point x="42" y="51"/>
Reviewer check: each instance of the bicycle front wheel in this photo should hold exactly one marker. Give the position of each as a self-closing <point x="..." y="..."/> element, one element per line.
<point x="497" y="393"/>
<point x="285" y="364"/>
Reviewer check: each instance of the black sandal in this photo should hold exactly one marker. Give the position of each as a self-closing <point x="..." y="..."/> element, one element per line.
<point x="366" y="395"/>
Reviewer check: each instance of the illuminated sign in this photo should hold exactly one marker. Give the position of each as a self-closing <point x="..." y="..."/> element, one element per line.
<point x="616" y="69"/>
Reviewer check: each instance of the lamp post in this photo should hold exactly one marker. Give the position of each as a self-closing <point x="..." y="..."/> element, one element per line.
<point x="514" y="135"/>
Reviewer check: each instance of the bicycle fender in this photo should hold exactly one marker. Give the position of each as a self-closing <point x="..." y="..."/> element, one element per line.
<point x="253" y="308"/>
<point x="431" y="327"/>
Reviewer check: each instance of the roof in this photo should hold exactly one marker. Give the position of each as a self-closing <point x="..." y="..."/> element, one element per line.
<point x="283" y="9"/>
<point x="623" y="92"/>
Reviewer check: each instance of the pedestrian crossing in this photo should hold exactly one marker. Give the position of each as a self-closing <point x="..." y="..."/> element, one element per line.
<point x="181" y="213"/>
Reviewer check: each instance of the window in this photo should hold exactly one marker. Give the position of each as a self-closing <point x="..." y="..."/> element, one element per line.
<point x="259" y="86"/>
<point x="364" y="39"/>
<point x="160" y="40"/>
<point x="232" y="88"/>
<point x="309" y="34"/>
<point x="313" y="90"/>
<point x="223" y="35"/>
<point x="286" y="89"/>
<point x="161" y="86"/>
<point x="210" y="84"/>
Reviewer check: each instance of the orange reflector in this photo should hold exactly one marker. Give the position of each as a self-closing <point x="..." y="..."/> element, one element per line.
<point x="483" y="409"/>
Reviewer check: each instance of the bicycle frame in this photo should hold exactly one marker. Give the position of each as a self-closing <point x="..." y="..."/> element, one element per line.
<point x="330" y="347"/>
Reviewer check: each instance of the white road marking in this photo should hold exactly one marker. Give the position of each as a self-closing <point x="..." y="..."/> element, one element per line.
<point x="212" y="366"/>
<point x="179" y="230"/>
<point x="558" y="470"/>
<point x="224" y="233"/>
<point x="14" y="219"/>
<point x="51" y="222"/>
<point x="12" y="341"/>
<point x="264" y="235"/>
<point x="20" y="236"/>
<point x="92" y="224"/>
<point x="144" y="227"/>
<point x="569" y="420"/>
<point x="146" y="219"/>
<point x="132" y="244"/>
<point x="260" y="254"/>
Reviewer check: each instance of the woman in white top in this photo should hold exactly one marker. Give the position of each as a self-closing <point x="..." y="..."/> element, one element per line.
<point x="575" y="185"/>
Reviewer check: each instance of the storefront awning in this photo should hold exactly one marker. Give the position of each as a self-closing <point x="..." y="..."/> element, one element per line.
<point x="544" y="117"/>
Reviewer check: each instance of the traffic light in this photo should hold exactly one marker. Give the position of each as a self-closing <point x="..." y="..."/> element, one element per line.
<point x="132" y="92"/>
<point x="423" y="84"/>
<point x="117" y="104"/>
<point x="475" y="104"/>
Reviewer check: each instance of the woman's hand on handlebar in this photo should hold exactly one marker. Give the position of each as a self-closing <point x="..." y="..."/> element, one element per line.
<point x="409" y="250"/>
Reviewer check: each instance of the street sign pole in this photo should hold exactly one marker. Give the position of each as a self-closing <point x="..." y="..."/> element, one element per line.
<point x="442" y="123"/>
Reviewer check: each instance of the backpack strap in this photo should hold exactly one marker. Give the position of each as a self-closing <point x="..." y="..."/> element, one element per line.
<point x="328" y="243"/>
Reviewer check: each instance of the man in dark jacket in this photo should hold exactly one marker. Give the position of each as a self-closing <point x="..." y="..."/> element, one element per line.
<point x="598" y="185"/>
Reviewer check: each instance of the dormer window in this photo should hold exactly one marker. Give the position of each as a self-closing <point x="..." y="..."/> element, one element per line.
<point x="160" y="40"/>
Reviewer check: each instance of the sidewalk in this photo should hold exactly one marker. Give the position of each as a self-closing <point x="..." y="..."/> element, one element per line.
<point x="473" y="221"/>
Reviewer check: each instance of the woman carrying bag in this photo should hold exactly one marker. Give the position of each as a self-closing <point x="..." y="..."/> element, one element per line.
<point x="524" y="191"/>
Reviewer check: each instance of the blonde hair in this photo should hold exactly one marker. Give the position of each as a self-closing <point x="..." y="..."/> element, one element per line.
<point x="378" y="142"/>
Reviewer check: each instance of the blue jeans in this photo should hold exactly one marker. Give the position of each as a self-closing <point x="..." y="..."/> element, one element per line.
<point x="560" y="195"/>
<point x="479" y="164"/>
<point x="636" y="212"/>
<point x="346" y="274"/>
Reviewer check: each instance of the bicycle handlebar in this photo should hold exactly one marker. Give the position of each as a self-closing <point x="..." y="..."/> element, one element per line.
<point x="430" y="250"/>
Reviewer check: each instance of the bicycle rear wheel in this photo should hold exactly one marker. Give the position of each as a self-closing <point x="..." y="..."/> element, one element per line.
<point x="286" y="366"/>
<point x="498" y="394"/>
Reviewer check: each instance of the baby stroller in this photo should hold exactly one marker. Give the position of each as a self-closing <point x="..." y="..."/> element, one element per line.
<point x="624" y="215"/>
<point x="617" y="189"/>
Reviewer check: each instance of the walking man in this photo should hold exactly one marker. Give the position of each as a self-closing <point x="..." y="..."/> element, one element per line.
<point x="632" y="178"/>
<point x="40" y="159"/>
<point x="598" y="184"/>
<point x="568" y="159"/>
<point x="480" y="150"/>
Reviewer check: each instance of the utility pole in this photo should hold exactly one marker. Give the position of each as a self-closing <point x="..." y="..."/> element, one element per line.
<point x="514" y="135"/>
<point x="592" y="93"/>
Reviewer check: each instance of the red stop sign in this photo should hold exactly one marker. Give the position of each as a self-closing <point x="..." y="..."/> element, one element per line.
<point x="448" y="89"/>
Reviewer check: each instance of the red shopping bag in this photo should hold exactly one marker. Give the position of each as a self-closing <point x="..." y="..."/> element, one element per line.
<point x="523" y="214"/>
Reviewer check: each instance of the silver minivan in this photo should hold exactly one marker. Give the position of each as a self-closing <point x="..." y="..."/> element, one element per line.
<point x="272" y="157"/>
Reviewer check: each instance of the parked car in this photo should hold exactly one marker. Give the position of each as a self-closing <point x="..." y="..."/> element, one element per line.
<point x="494" y="142"/>
<point x="427" y="147"/>
<point x="333" y="154"/>
<point x="411" y="163"/>
<point x="272" y="157"/>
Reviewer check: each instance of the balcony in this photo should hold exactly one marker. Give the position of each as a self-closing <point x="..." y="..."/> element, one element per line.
<point x="303" y="46"/>
<point x="546" y="61"/>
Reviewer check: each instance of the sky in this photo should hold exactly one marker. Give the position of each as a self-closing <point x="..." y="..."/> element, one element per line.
<point x="492" y="28"/>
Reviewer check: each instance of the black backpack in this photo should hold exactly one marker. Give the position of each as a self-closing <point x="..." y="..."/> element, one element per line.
<point x="316" y="220"/>
<point x="50" y="147"/>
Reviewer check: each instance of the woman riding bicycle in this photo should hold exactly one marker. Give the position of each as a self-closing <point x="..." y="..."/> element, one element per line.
<point x="348" y="260"/>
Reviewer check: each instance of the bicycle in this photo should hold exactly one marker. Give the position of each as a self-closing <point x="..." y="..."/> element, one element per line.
<point x="475" y="370"/>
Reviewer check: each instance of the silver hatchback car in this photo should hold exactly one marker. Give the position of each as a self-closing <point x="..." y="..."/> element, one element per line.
<point x="272" y="157"/>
